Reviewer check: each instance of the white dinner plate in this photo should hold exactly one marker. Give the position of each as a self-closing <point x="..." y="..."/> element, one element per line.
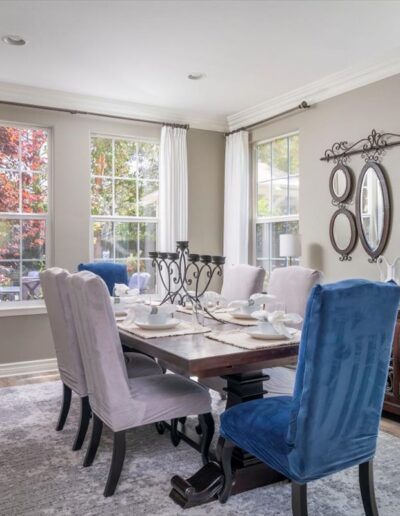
<point x="241" y="315"/>
<point x="168" y="325"/>
<point x="256" y="333"/>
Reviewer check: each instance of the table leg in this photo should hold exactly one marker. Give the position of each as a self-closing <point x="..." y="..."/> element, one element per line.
<point x="249" y="472"/>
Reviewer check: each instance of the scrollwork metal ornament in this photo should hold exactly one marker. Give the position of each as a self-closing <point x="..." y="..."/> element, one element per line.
<point x="371" y="148"/>
<point x="184" y="276"/>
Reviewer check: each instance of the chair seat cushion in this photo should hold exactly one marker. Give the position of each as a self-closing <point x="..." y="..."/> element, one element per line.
<point x="260" y="427"/>
<point x="169" y="396"/>
<point x="138" y="365"/>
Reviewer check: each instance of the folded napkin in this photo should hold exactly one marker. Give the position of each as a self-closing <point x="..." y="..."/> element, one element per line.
<point x="278" y="319"/>
<point x="141" y="312"/>
<point x="254" y="300"/>
<point x="122" y="290"/>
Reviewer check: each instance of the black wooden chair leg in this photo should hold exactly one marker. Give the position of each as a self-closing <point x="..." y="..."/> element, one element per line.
<point x="97" y="428"/>
<point x="207" y="433"/>
<point x="117" y="462"/>
<point x="160" y="427"/>
<point x="225" y="451"/>
<point x="366" y="476"/>
<point x="299" y="499"/>
<point x="66" y="403"/>
<point x="175" y="439"/>
<point x="83" y="424"/>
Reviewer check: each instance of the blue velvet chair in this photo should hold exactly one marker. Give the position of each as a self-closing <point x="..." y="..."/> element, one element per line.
<point x="331" y="422"/>
<point x="111" y="273"/>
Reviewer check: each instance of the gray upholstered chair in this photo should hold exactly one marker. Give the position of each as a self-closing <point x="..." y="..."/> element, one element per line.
<point x="292" y="286"/>
<point x="53" y="282"/>
<point x="119" y="402"/>
<point x="241" y="281"/>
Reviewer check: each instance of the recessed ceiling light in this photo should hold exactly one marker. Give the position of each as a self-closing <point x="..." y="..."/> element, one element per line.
<point x="13" y="39"/>
<point x="196" y="76"/>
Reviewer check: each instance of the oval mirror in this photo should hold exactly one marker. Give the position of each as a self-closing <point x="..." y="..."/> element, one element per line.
<point x="340" y="183"/>
<point x="373" y="209"/>
<point x="343" y="232"/>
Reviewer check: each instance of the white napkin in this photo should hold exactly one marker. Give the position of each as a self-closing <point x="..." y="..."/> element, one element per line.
<point x="141" y="312"/>
<point x="122" y="290"/>
<point x="278" y="319"/>
<point x="254" y="300"/>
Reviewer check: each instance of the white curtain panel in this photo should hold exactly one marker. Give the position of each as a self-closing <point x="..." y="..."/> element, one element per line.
<point x="173" y="202"/>
<point x="236" y="208"/>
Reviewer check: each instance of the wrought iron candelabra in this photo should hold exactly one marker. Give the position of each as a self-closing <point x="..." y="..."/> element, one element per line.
<point x="186" y="276"/>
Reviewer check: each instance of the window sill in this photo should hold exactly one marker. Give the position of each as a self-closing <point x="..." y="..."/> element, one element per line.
<point x="13" y="308"/>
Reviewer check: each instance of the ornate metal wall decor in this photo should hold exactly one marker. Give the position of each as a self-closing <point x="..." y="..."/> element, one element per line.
<point x="371" y="148"/>
<point x="373" y="210"/>
<point x="186" y="276"/>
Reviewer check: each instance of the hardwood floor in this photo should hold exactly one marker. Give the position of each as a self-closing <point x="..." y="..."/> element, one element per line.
<point x="390" y="426"/>
<point x="24" y="379"/>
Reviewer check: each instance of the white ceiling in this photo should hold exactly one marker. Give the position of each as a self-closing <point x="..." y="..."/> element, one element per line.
<point x="142" y="51"/>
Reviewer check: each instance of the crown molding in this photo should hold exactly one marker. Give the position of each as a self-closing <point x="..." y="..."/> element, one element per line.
<point x="330" y="86"/>
<point x="74" y="101"/>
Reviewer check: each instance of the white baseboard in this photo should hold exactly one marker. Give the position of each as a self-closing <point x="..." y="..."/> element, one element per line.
<point x="47" y="365"/>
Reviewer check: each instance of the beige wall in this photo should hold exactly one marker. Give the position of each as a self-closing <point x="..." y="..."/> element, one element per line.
<point x="28" y="337"/>
<point x="349" y="117"/>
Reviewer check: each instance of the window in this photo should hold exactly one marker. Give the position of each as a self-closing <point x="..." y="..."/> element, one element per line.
<point x="24" y="175"/>
<point x="125" y="184"/>
<point x="277" y="194"/>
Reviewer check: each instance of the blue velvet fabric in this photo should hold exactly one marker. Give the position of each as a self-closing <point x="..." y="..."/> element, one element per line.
<point x="110" y="272"/>
<point x="332" y="420"/>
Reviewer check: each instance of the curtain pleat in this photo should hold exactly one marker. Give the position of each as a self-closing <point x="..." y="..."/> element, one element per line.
<point x="236" y="207"/>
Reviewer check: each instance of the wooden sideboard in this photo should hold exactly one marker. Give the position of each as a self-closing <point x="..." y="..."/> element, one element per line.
<point x="392" y="397"/>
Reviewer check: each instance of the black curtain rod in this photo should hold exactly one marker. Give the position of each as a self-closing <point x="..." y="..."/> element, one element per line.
<point x="303" y="105"/>
<point x="89" y="113"/>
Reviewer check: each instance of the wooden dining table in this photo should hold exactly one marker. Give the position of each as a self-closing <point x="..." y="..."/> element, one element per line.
<point x="196" y="355"/>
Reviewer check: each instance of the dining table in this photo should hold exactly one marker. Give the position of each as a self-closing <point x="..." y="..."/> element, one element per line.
<point x="197" y="355"/>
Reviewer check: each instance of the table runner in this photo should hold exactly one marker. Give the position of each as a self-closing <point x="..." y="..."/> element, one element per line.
<point x="184" y="328"/>
<point x="240" y="339"/>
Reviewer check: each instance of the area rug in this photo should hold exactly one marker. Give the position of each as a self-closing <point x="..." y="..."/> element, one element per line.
<point x="41" y="475"/>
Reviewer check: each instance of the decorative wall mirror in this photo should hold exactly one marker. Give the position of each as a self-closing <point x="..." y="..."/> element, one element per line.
<point x="343" y="233"/>
<point x="373" y="209"/>
<point x="340" y="183"/>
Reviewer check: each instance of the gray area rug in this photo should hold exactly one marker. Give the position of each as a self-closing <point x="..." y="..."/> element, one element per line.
<point x="41" y="475"/>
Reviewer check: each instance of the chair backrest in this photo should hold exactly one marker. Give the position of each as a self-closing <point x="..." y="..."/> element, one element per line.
<point x="341" y="376"/>
<point x="53" y="282"/>
<point x="292" y="285"/>
<point x="139" y="280"/>
<point x="241" y="281"/>
<point x="110" y="272"/>
<point x="101" y="351"/>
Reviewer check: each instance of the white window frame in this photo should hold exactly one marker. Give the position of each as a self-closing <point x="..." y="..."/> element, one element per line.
<point x="119" y="218"/>
<point x="266" y="220"/>
<point x="33" y="216"/>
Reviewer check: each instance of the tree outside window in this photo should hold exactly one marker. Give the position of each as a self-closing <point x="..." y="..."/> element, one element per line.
<point x="125" y="189"/>
<point x="24" y="162"/>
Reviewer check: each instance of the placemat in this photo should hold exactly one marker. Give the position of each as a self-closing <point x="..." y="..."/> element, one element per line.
<point x="184" y="328"/>
<point x="240" y="339"/>
<point x="223" y="316"/>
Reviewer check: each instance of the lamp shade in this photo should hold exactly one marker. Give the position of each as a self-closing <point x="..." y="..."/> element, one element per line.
<point x="290" y="245"/>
